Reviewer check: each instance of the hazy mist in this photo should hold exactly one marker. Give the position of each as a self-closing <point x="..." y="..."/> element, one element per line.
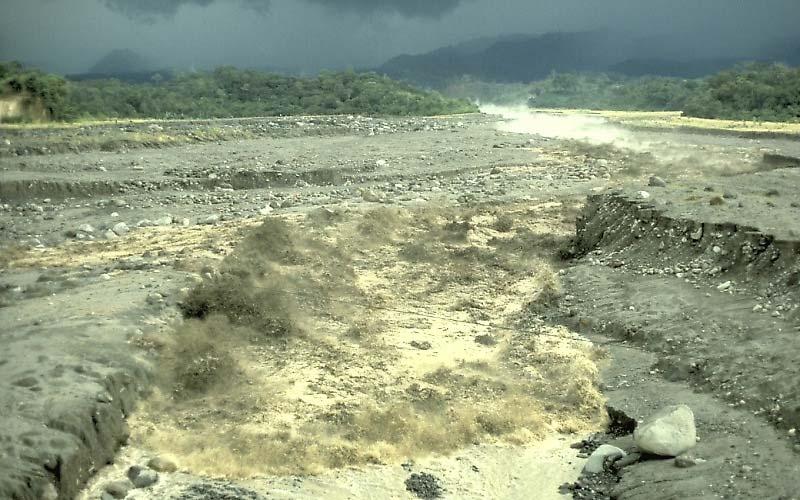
<point x="307" y="35"/>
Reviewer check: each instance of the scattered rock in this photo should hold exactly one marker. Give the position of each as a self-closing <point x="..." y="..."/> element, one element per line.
<point x="163" y="221"/>
<point x="369" y="196"/>
<point x="724" y="286"/>
<point x="422" y="346"/>
<point x="121" y="229"/>
<point x="668" y="432"/>
<point x="596" y="461"/>
<point x="217" y="490"/>
<point x="697" y="234"/>
<point x="86" y="228"/>
<point x="154" y="299"/>
<point x="211" y="219"/>
<point x="162" y="464"/>
<point x="656" y="181"/>
<point x="643" y="195"/>
<point x="486" y="340"/>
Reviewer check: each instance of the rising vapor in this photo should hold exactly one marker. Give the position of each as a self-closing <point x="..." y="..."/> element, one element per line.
<point x="151" y="9"/>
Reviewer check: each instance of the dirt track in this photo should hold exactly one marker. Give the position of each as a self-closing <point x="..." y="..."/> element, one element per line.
<point x="433" y="325"/>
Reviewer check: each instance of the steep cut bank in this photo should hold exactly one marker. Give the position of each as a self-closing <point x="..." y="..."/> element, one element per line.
<point x="695" y="285"/>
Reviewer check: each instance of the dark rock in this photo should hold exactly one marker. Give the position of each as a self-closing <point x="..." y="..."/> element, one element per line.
<point x="424" y="485"/>
<point x="217" y="491"/>
<point x="620" y="424"/>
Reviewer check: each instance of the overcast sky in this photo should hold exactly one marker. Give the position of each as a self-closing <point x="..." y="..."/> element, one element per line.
<point x="71" y="35"/>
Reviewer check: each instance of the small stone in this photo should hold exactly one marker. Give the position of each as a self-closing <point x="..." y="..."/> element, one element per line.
<point x="163" y="221"/>
<point x="266" y="210"/>
<point x="86" y="228"/>
<point x="142" y="477"/>
<point x="119" y="202"/>
<point x="643" y="195"/>
<point x="594" y="465"/>
<point x="697" y="234"/>
<point x="716" y="201"/>
<point x="724" y="286"/>
<point x="161" y="464"/>
<point x="656" y="181"/>
<point x="118" y="489"/>
<point x="110" y="235"/>
<point x="668" y="432"/>
<point x="121" y="229"/>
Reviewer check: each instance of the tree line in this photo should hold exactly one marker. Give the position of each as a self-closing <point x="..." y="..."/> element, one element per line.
<point x="226" y="92"/>
<point x="765" y="92"/>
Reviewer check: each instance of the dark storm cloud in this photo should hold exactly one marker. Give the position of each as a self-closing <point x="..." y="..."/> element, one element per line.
<point x="70" y="36"/>
<point x="151" y="9"/>
<point x="408" y="8"/>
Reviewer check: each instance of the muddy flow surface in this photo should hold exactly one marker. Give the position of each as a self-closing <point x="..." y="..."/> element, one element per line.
<point x="347" y="307"/>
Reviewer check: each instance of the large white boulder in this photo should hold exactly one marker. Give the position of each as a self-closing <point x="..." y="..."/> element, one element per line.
<point x="667" y="433"/>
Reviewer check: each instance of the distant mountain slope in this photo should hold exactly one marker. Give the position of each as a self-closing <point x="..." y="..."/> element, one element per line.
<point x="524" y="58"/>
<point x="121" y="62"/>
<point x="668" y="67"/>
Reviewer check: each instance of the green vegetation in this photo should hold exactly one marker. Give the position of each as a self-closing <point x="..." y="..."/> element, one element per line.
<point x="39" y="89"/>
<point x="226" y="93"/>
<point x="767" y="92"/>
